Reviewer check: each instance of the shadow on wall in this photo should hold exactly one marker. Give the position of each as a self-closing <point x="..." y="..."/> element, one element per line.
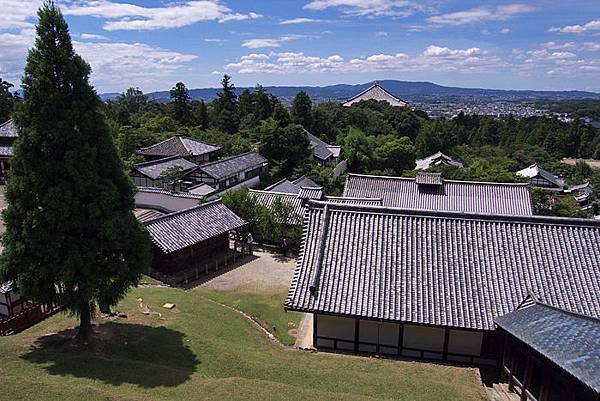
<point x="120" y="353"/>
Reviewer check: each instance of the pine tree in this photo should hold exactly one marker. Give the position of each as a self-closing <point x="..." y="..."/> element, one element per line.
<point x="226" y="108"/>
<point x="302" y="110"/>
<point x="180" y="104"/>
<point x="6" y="100"/>
<point x="71" y="237"/>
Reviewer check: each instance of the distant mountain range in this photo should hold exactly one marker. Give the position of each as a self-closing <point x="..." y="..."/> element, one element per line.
<point x="425" y="92"/>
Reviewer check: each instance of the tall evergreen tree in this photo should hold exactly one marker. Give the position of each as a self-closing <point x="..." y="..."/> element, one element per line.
<point x="71" y="237"/>
<point x="6" y="100"/>
<point x="226" y="108"/>
<point x="302" y="110"/>
<point x="180" y="104"/>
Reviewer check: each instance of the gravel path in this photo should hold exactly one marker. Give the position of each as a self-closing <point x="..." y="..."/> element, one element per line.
<point x="266" y="271"/>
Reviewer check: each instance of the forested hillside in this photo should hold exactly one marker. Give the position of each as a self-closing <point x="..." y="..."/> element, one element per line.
<point x="376" y="138"/>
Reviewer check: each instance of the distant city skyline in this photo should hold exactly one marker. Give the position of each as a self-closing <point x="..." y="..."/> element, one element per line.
<point x="152" y="44"/>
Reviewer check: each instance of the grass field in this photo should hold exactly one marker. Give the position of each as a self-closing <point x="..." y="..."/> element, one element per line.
<point x="205" y="351"/>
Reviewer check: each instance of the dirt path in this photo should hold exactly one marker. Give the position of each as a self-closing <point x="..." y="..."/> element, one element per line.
<point x="266" y="271"/>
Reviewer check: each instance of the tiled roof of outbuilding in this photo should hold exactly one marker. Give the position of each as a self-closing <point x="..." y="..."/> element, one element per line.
<point x="5" y="287"/>
<point x="440" y="268"/>
<point x="179" y="146"/>
<point x="292" y="187"/>
<point x="153" y="169"/>
<point x="232" y="165"/>
<point x="9" y="130"/>
<point x="571" y="341"/>
<point x="184" y="228"/>
<point x="435" y="160"/>
<point x="453" y="196"/>
<point x="535" y="170"/>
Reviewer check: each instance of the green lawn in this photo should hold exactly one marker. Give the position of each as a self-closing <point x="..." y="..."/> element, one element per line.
<point x="204" y="351"/>
<point x="265" y="307"/>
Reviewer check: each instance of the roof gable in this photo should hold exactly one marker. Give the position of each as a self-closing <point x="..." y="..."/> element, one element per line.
<point x="438" y="268"/>
<point x="454" y="196"/>
<point x="437" y="159"/>
<point x="536" y="171"/>
<point x="376" y="92"/>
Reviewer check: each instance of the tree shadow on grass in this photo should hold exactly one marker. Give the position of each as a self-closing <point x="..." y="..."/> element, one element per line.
<point x="120" y="353"/>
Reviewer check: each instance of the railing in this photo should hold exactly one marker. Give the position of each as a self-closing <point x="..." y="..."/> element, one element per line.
<point x="199" y="270"/>
<point x="30" y="315"/>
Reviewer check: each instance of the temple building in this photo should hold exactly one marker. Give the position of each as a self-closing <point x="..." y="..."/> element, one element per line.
<point x="429" y="191"/>
<point x="376" y="92"/>
<point x="451" y="286"/>
<point x="190" y="149"/>
<point x="8" y="135"/>
<point x="437" y="159"/>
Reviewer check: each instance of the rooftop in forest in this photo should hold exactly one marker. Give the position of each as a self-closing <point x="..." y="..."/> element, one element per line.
<point x="449" y="195"/>
<point x="179" y="146"/>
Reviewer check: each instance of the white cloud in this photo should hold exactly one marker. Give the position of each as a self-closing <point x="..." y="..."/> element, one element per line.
<point x="125" y="16"/>
<point x="434" y="58"/>
<point x="369" y="8"/>
<point x="16" y="14"/>
<point x="262" y="43"/>
<point x="114" y="65"/>
<point x="381" y="34"/>
<point x="590" y="26"/>
<point x="505" y="31"/>
<point x="480" y="14"/>
<point x="437" y="51"/>
<point x="575" y="46"/>
<point x="301" y="21"/>
<point x="125" y="64"/>
<point x="93" y="36"/>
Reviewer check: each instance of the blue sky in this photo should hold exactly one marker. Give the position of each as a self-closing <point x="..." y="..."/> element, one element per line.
<point x="151" y="44"/>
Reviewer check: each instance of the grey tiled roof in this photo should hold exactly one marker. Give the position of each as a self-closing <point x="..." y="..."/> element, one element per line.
<point x="284" y="186"/>
<point x="440" y="268"/>
<point x="292" y="187"/>
<point x="144" y="215"/>
<point x="170" y="193"/>
<point x="535" y="170"/>
<point x="232" y="165"/>
<point x="153" y="169"/>
<point x="569" y="340"/>
<point x="184" y="228"/>
<point x="6" y="287"/>
<point x="305" y="182"/>
<point x="179" y="146"/>
<point x="429" y="179"/>
<point x="311" y="193"/>
<point x="9" y="130"/>
<point x="435" y="160"/>
<point x="321" y="150"/>
<point x="454" y="196"/>
<point x="298" y="203"/>
<point x="6" y="151"/>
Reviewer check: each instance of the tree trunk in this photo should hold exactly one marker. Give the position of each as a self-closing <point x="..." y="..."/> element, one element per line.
<point x="85" y="322"/>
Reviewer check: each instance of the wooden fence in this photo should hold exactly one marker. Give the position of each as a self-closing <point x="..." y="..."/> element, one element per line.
<point x="30" y="315"/>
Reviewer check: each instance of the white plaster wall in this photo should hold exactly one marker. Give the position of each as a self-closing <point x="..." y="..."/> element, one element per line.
<point x="465" y="342"/>
<point x="251" y="183"/>
<point x="335" y="327"/>
<point x="164" y="201"/>
<point x="424" y="338"/>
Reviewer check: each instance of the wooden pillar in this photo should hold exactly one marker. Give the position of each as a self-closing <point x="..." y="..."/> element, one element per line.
<point x="356" y="333"/>
<point x="526" y="377"/>
<point x="446" y="340"/>
<point x="315" y="329"/>
<point x="400" y="338"/>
